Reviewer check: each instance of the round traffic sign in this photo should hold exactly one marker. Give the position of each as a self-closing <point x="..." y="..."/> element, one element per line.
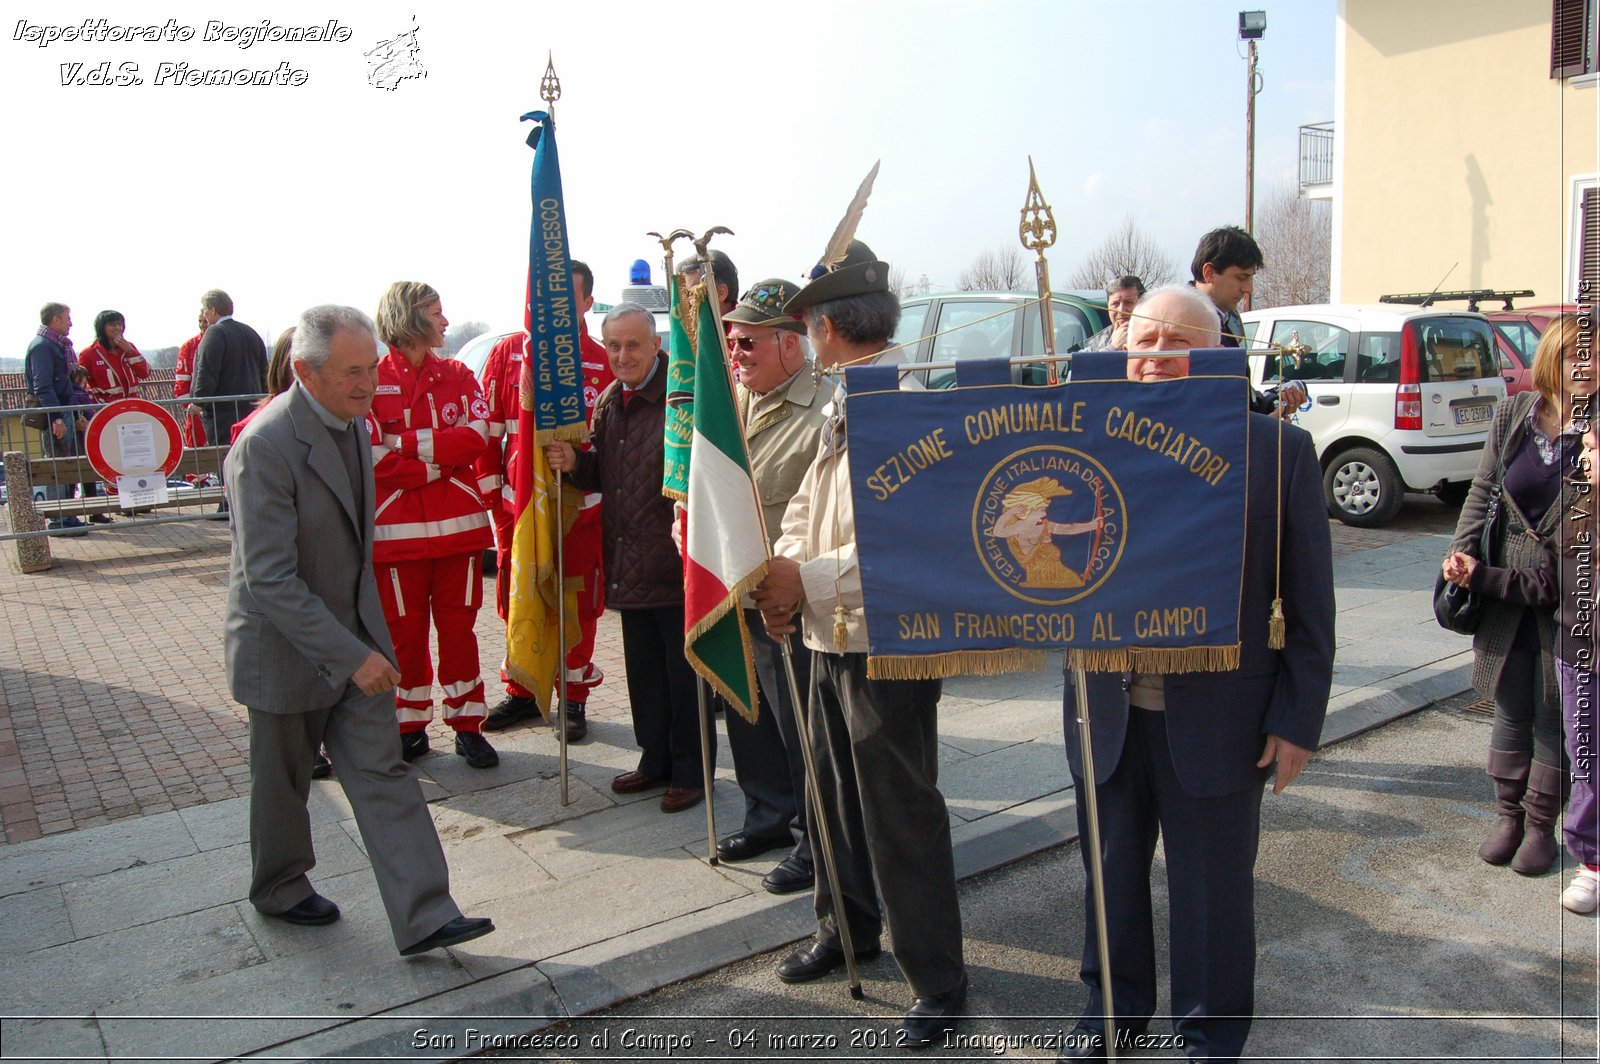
<point x="132" y="436"/>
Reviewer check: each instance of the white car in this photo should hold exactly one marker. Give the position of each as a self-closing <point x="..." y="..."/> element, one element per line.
<point x="1399" y="398"/>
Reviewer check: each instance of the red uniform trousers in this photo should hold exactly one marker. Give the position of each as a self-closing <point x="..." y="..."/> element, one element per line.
<point x="583" y="675"/>
<point x="450" y="589"/>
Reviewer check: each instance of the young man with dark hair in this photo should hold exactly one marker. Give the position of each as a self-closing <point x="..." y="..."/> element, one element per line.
<point x="1224" y="269"/>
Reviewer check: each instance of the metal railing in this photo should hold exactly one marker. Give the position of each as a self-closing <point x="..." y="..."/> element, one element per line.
<point x="1316" y="154"/>
<point x="50" y="487"/>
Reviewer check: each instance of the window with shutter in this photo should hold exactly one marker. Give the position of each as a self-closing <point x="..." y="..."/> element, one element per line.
<point x="1573" y="38"/>
<point x="1589" y="247"/>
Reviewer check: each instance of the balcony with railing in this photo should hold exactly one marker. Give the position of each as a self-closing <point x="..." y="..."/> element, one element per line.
<point x="1316" y="160"/>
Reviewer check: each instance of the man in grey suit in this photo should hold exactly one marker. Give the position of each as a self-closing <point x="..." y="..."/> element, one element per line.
<point x="308" y="651"/>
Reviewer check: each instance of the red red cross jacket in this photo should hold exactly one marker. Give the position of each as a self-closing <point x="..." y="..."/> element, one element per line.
<point x="113" y="372"/>
<point x="183" y="369"/>
<point x="429" y="428"/>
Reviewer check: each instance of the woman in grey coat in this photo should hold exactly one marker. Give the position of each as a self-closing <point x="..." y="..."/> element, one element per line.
<point x="1532" y="451"/>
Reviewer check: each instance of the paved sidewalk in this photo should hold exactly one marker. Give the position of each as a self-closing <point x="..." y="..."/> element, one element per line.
<point x="134" y="926"/>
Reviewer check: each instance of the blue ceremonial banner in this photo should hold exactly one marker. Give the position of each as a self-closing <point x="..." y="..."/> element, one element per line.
<point x="551" y="316"/>
<point x="1102" y="517"/>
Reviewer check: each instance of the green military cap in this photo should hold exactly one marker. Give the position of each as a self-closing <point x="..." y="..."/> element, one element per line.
<point x="764" y="305"/>
<point x="859" y="273"/>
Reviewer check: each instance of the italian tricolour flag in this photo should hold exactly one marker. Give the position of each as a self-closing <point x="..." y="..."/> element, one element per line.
<point x="725" y="545"/>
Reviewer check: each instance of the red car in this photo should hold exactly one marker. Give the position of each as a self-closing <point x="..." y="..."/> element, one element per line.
<point x="1516" y="334"/>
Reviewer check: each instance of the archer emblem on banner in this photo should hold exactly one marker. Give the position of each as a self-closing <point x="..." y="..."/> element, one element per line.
<point x="1048" y="514"/>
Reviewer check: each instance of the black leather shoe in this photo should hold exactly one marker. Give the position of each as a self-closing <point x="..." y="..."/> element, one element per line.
<point x="101" y="519"/>
<point x="508" y="711"/>
<point x="742" y="847"/>
<point x="790" y="875"/>
<point x="476" y="749"/>
<point x="413" y="744"/>
<point x="321" y="768"/>
<point x="1084" y="1043"/>
<point x="313" y="912"/>
<point x="461" y="929"/>
<point x="931" y="1017"/>
<point x="814" y="960"/>
<point x="577" y="721"/>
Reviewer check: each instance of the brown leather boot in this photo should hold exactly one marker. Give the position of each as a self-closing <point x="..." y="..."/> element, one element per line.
<point x="1510" y="774"/>
<point x="1546" y="794"/>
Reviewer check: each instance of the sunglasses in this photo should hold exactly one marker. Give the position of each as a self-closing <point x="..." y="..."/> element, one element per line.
<point x="746" y="344"/>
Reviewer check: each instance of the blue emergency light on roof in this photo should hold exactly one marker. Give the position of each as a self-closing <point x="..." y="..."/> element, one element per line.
<point x="639" y="272"/>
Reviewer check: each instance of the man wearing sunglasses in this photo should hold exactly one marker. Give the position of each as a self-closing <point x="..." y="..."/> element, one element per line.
<point x="782" y="412"/>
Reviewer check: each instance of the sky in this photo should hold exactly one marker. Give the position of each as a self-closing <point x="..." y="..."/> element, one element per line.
<point x="763" y="119"/>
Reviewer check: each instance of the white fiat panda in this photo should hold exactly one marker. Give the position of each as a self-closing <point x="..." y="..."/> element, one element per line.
<point x="1399" y="398"/>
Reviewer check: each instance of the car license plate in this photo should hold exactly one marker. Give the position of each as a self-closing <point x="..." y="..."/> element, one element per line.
<point x="1475" y="414"/>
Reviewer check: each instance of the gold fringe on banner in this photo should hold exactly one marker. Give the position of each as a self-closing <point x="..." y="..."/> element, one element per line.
<point x="1189" y="659"/>
<point x="730" y="604"/>
<point x="954" y="663"/>
<point x="574" y="434"/>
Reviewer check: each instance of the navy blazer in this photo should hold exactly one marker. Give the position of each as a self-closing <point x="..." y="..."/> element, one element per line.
<point x="1217" y="722"/>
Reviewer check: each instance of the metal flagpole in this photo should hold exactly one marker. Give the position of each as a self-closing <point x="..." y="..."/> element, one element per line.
<point x="841" y="918"/>
<point x="710" y="281"/>
<point x="550" y="92"/>
<point x="1037" y="231"/>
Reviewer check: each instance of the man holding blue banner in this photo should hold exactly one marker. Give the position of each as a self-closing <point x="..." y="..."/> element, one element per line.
<point x="876" y="741"/>
<point x="1185" y="756"/>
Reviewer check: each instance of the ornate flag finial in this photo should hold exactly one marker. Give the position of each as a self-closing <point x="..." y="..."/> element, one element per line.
<point x="1038" y="226"/>
<point x="670" y="239"/>
<point x="550" y="85"/>
<point x="704" y="241"/>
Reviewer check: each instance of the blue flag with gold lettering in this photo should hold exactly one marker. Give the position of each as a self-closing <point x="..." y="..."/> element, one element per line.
<point x="551" y="314"/>
<point x="1102" y="517"/>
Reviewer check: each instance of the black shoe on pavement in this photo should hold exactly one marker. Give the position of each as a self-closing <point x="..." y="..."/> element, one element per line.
<point x="413" y="744"/>
<point x="321" y="768"/>
<point x="791" y="874"/>
<point x="461" y="929"/>
<point x="742" y="847"/>
<point x="510" y="710"/>
<point x="476" y="749"/>
<point x="577" y="721"/>
<point x="101" y="519"/>
<point x="932" y="1016"/>
<point x="312" y="912"/>
<point x="814" y="960"/>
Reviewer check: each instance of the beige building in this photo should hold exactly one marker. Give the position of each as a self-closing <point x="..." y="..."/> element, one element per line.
<point x="1464" y="147"/>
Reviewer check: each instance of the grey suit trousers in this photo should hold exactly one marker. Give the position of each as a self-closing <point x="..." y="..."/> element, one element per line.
<point x="396" y="827"/>
<point x="877" y="751"/>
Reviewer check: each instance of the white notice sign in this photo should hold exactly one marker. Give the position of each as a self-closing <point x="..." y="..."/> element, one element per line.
<point x="137" y="442"/>
<point x="145" y="489"/>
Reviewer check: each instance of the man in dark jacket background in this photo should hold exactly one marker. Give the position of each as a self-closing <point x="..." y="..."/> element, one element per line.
<point x="644" y="572"/>
<point x="232" y="360"/>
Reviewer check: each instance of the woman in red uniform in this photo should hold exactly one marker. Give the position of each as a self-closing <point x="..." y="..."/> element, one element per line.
<point x="430" y="427"/>
<point x="115" y="366"/>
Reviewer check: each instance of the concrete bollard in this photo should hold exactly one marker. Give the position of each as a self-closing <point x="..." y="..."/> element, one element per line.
<point x="33" y="554"/>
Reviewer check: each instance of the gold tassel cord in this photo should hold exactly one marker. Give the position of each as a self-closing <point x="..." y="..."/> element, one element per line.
<point x="1275" y="623"/>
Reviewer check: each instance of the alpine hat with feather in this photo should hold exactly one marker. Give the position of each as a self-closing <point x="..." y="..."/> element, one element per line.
<point x="847" y="267"/>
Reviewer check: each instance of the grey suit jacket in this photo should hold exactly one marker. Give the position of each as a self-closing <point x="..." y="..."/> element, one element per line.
<point x="303" y="610"/>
